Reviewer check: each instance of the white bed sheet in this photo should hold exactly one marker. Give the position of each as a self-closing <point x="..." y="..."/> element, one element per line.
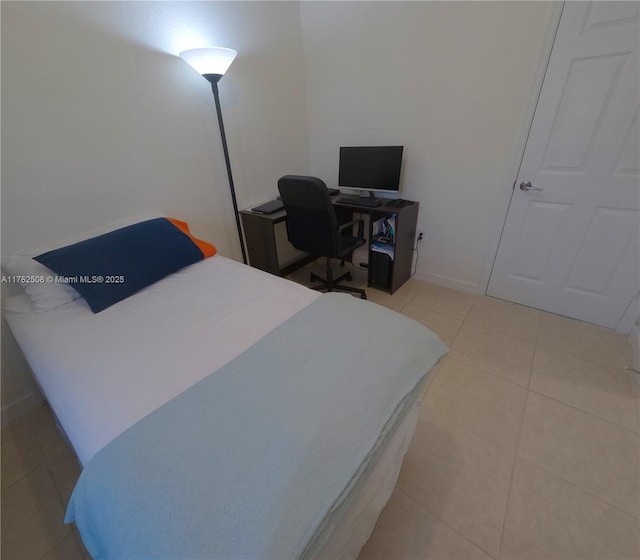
<point x="103" y="372"/>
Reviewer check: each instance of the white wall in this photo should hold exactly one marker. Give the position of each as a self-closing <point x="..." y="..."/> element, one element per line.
<point x="452" y="82"/>
<point x="101" y="120"/>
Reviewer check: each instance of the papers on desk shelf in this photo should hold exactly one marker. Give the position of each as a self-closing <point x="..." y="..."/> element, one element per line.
<point x="385" y="226"/>
<point x="384" y="248"/>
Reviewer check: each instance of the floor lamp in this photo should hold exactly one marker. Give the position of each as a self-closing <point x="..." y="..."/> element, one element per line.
<point x="212" y="63"/>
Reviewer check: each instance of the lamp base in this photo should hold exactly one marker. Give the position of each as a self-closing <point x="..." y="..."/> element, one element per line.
<point x="213" y="78"/>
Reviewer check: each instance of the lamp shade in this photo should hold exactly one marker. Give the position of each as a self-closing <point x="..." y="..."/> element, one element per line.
<point x="214" y="60"/>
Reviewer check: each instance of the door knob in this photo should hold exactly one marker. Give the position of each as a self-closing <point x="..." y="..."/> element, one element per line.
<point x="526" y="186"/>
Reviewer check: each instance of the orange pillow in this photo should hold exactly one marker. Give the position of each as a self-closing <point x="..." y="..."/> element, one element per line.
<point x="208" y="250"/>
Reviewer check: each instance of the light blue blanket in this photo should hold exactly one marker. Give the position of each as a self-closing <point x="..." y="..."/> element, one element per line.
<point x="249" y="462"/>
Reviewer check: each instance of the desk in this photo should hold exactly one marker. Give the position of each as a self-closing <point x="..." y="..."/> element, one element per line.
<point x="263" y="253"/>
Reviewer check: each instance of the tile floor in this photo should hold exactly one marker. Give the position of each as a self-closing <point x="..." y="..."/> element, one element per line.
<point x="527" y="446"/>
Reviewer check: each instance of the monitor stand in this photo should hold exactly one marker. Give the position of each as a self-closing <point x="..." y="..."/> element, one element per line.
<point x="371" y="194"/>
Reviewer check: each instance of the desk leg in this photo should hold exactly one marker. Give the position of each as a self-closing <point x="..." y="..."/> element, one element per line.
<point x="261" y="242"/>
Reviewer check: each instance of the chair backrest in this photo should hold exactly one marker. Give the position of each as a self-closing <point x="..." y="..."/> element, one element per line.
<point x="311" y="218"/>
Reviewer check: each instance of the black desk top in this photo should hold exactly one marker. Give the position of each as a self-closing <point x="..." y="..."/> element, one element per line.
<point x="385" y="207"/>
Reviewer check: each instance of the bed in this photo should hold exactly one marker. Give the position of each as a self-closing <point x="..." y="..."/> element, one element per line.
<point x="222" y="412"/>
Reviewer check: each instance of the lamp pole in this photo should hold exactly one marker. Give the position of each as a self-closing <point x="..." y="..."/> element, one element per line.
<point x="213" y="79"/>
<point x="212" y="63"/>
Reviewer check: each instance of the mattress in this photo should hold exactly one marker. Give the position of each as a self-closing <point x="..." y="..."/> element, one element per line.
<point x="140" y="353"/>
<point x="351" y="526"/>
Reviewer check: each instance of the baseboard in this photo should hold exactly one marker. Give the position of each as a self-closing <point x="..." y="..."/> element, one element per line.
<point x="448" y="282"/>
<point x="20" y="407"/>
<point x="634" y="339"/>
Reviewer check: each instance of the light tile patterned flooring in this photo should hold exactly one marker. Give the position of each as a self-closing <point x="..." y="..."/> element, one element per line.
<point x="527" y="446"/>
<point x="528" y="442"/>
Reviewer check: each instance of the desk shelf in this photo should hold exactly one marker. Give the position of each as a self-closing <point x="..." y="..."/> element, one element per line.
<point x="386" y="273"/>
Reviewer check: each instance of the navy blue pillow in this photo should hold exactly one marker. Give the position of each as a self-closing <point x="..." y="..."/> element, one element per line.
<point x="109" y="268"/>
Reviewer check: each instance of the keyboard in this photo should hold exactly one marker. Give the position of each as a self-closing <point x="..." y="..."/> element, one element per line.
<point x="368" y="201"/>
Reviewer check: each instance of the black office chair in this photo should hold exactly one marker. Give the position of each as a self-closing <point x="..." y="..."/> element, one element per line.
<point x="312" y="227"/>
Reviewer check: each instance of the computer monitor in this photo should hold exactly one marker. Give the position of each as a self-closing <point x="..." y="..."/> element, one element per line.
<point x="370" y="168"/>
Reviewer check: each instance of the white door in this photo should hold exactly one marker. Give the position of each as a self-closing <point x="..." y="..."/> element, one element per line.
<point x="570" y="243"/>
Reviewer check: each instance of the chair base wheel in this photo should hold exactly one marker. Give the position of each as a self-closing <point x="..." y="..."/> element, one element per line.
<point x="331" y="284"/>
